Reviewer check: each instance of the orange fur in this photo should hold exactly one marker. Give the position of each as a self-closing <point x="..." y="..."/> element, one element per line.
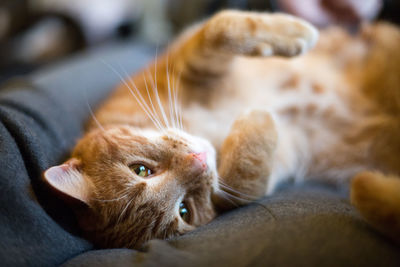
<point x="378" y="198"/>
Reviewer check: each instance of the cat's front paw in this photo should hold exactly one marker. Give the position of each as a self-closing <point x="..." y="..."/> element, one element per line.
<point x="255" y="120"/>
<point x="247" y="154"/>
<point x="260" y="34"/>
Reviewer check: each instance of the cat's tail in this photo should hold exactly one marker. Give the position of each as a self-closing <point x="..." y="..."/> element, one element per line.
<point x="377" y="197"/>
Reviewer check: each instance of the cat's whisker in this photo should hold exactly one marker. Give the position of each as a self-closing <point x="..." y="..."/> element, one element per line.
<point x="179" y="106"/>
<point x="227" y="197"/>
<point x="173" y="92"/>
<point x="151" y="102"/>
<point x="92" y="113"/>
<point x="155" y="90"/>
<point x="227" y="187"/>
<point x="111" y="200"/>
<point x="175" y="99"/>
<point x="159" y="105"/>
<point x="236" y="197"/>
<point x="142" y="100"/>
<point x="169" y="93"/>
<point x="252" y="199"/>
<point x="125" y="193"/>
<point x="244" y="200"/>
<point x="131" y="91"/>
<point x="124" y="210"/>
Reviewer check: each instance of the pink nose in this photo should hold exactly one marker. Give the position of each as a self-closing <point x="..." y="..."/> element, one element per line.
<point x="200" y="159"/>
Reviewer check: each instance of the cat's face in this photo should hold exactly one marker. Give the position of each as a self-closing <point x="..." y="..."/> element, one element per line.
<point x="137" y="184"/>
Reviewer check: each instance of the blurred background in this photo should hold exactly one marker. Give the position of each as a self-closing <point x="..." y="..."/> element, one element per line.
<point x="34" y="33"/>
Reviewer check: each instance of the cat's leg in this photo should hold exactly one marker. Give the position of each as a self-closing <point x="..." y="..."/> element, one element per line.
<point x="258" y="34"/>
<point x="381" y="67"/>
<point x="381" y="84"/>
<point x="204" y="53"/>
<point x="246" y="159"/>
<point x="377" y="197"/>
<point x="202" y="56"/>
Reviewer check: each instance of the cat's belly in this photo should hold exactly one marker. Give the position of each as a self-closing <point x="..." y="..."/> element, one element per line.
<point x="296" y="97"/>
<point x="312" y="117"/>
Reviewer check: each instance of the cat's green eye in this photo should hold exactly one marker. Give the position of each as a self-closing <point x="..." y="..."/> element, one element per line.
<point x="141" y="170"/>
<point x="184" y="212"/>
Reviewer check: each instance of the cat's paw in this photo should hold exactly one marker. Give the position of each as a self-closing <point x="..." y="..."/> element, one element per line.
<point x="256" y="128"/>
<point x="254" y="122"/>
<point x="259" y="34"/>
<point x="246" y="156"/>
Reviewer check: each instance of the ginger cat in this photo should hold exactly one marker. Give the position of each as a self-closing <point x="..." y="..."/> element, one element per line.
<point x="223" y="116"/>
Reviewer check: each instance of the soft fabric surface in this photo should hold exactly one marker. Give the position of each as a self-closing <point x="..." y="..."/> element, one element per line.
<point x="306" y="226"/>
<point x="42" y="117"/>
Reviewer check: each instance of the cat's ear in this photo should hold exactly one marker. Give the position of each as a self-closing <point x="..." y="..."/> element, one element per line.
<point x="67" y="178"/>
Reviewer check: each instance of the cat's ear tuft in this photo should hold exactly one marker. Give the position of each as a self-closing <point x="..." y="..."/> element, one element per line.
<point x="67" y="178"/>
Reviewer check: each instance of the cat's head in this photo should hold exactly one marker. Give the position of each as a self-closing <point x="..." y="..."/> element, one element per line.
<point x="128" y="185"/>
